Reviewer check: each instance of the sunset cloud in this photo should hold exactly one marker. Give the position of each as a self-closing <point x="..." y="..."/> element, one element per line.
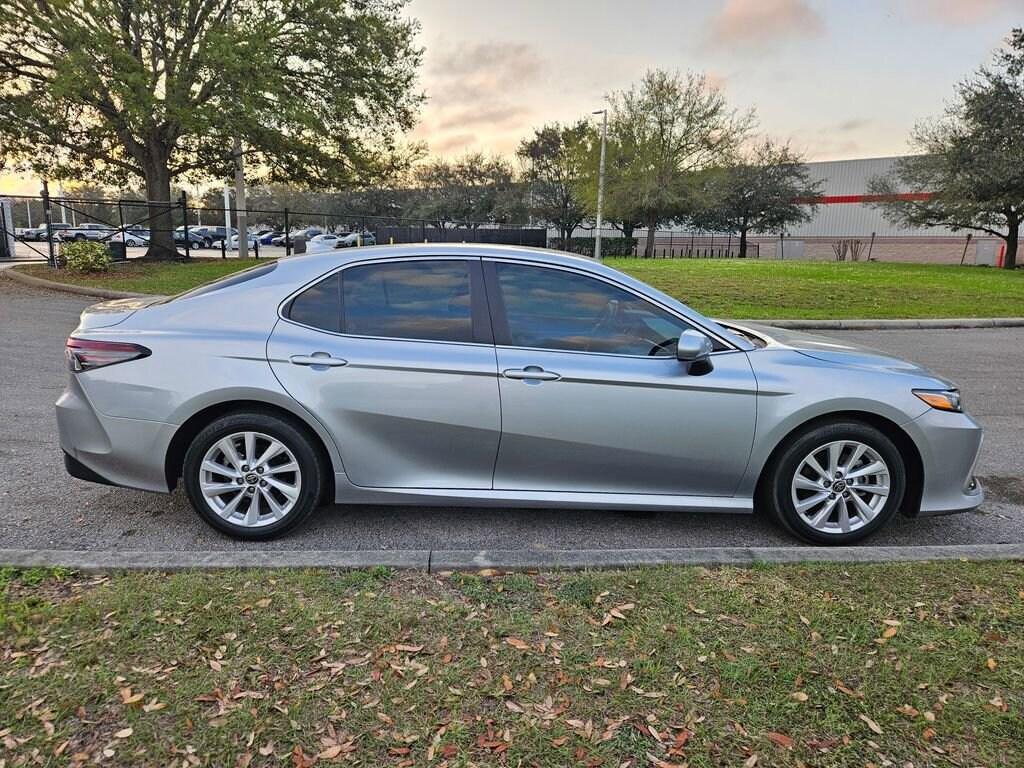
<point x="478" y="93"/>
<point x="762" y="22"/>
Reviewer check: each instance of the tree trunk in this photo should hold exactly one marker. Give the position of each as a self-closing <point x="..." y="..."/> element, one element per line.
<point x="1012" y="237"/>
<point x="627" y="229"/>
<point x="161" y="222"/>
<point x="743" y="243"/>
<point x="652" y="228"/>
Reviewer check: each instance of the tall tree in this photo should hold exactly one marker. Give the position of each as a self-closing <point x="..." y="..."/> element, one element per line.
<point x="463" y="192"/>
<point x="619" y="208"/>
<point x="553" y="168"/>
<point x="761" y="190"/>
<point x="667" y="128"/>
<point x="115" y="90"/>
<point x="970" y="173"/>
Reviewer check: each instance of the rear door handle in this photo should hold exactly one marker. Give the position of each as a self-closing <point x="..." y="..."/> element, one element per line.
<point x="318" y="358"/>
<point x="531" y="373"/>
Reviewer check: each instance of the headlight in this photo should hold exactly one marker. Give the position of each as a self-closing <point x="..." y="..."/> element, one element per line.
<point x="941" y="399"/>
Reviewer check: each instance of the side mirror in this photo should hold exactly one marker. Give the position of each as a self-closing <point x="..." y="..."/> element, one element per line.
<point x="693" y="347"/>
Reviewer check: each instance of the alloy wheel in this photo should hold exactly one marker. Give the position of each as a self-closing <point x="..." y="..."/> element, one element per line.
<point x="840" y="487"/>
<point x="250" y="479"/>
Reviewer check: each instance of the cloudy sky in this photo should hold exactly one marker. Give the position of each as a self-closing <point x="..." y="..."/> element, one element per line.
<point x="838" y="78"/>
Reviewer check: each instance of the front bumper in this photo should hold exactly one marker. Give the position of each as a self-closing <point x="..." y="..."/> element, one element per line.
<point x="125" y="452"/>
<point x="949" y="444"/>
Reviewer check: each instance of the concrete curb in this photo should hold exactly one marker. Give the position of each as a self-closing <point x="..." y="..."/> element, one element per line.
<point x="512" y="560"/>
<point x="81" y="290"/>
<point x="891" y="325"/>
<point x="807" y="325"/>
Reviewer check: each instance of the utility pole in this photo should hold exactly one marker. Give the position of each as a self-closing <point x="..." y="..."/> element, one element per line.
<point x="600" y="184"/>
<point x="240" y="213"/>
<point x="28" y="212"/>
<point x="63" y="206"/>
<point x="227" y="216"/>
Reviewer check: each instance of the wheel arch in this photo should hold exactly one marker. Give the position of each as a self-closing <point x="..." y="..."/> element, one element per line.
<point x="914" y="464"/>
<point x="175" y="457"/>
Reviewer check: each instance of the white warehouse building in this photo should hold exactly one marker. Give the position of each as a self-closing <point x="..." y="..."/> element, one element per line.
<point x="845" y="224"/>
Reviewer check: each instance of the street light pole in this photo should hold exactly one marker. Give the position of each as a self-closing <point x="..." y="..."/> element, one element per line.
<point x="600" y="184"/>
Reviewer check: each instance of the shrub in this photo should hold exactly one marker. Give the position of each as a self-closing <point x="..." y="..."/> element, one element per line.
<point x="85" y="256"/>
<point x="584" y="246"/>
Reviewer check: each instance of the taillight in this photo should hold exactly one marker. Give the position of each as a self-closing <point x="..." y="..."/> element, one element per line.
<point x="86" y="354"/>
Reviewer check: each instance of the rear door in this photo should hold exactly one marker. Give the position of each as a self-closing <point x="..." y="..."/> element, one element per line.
<point x="396" y="358"/>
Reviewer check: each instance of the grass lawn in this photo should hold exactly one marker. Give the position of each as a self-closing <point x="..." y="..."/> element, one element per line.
<point x="733" y="288"/>
<point x="838" y="665"/>
<point x="727" y="288"/>
<point x="148" y="277"/>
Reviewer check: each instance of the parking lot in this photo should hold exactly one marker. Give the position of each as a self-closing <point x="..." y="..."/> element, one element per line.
<point x="41" y="507"/>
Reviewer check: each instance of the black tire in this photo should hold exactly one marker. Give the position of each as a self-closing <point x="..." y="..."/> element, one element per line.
<point x="292" y="436"/>
<point x="777" y="493"/>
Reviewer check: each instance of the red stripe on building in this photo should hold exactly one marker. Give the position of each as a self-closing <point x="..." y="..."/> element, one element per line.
<point x="836" y="199"/>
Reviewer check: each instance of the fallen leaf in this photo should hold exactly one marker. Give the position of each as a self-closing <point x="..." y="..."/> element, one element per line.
<point x="124" y="733"/>
<point x="991" y="664"/>
<point x="798" y="695"/>
<point x="875" y="727"/>
<point x="515" y="642"/>
<point x="657" y="762"/>
<point x="781" y="739"/>
<point x="751" y="761"/>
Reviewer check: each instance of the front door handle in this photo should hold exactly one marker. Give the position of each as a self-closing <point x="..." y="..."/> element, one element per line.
<point x="318" y="358"/>
<point x="531" y="373"/>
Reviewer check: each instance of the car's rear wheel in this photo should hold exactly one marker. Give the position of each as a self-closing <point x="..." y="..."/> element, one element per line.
<point x="252" y="476"/>
<point x="836" y="483"/>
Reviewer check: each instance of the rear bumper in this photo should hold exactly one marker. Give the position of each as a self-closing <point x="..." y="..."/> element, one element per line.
<point x="950" y="444"/>
<point x="88" y="440"/>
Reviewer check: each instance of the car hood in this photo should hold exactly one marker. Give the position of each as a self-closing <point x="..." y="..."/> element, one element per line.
<point x="835" y="351"/>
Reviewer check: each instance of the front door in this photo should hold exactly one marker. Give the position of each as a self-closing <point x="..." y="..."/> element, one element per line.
<point x="395" y="359"/>
<point x="594" y="399"/>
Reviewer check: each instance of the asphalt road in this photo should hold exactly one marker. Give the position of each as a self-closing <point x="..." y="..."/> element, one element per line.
<point x="41" y="507"/>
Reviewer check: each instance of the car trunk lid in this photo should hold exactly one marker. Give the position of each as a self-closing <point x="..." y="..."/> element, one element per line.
<point x="109" y="313"/>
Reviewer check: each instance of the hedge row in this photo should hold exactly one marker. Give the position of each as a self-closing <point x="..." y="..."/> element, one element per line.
<point x="584" y="246"/>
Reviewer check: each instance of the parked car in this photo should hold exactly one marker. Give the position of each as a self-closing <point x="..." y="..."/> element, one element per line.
<point x="266" y="238"/>
<point x="353" y="239"/>
<point x="305" y="232"/>
<point x="251" y="237"/>
<point x="87" y="231"/>
<point x="132" y="238"/>
<point x="325" y="241"/>
<point x="196" y="237"/>
<point x="39" y="233"/>
<point x="498" y="376"/>
<point x="211" y="235"/>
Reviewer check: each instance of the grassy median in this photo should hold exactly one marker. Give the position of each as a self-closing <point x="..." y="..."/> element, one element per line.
<point x="729" y="288"/>
<point x="836" y="665"/>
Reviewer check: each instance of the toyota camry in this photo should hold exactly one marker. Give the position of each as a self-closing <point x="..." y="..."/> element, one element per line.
<point x="498" y="376"/>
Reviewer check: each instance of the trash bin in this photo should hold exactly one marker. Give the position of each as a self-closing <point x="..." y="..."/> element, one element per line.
<point x="117" y="251"/>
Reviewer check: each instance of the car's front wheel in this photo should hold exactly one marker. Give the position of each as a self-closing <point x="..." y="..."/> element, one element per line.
<point x="252" y="476"/>
<point x="836" y="483"/>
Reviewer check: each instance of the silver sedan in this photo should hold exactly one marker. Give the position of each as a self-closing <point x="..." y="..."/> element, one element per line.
<point x="488" y="375"/>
